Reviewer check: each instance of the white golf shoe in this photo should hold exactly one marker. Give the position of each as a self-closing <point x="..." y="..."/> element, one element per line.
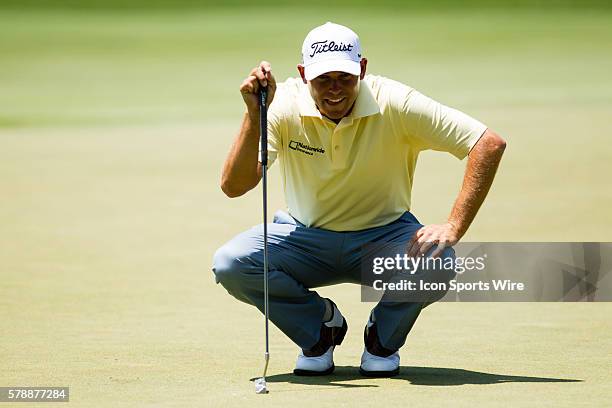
<point x="376" y="360"/>
<point x="319" y="360"/>
<point x="318" y="365"/>
<point x="376" y="366"/>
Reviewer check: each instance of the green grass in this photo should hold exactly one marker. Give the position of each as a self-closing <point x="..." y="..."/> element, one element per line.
<point x="352" y="4"/>
<point x="109" y="67"/>
<point x="113" y="128"/>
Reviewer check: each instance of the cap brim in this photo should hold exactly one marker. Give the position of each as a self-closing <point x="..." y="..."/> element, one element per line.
<point x="321" y="67"/>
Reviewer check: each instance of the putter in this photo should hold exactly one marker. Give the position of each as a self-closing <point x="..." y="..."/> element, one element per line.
<point x="260" y="383"/>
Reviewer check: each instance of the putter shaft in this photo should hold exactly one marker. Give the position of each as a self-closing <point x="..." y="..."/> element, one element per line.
<point x="263" y="123"/>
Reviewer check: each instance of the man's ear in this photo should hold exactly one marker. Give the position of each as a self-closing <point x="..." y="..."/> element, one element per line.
<point x="300" y="68"/>
<point x="363" y="63"/>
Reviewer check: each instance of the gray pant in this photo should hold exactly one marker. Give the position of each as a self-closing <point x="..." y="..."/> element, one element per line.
<point x="301" y="258"/>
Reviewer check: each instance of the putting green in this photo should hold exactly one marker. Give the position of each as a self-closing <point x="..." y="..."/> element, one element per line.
<point x="113" y="128"/>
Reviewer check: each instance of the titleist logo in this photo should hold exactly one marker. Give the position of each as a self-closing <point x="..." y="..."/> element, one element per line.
<point x="325" y="46"/>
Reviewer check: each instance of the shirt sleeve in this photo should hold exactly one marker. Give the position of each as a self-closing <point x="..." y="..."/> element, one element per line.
<point x="438" y="127"/>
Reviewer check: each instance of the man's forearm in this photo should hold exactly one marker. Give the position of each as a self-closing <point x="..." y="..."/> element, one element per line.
<point x="479" y="174"/>
<point x="241" y="169"/>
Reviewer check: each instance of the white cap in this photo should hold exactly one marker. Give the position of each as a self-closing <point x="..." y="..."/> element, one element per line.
<point x="331" y="47"/>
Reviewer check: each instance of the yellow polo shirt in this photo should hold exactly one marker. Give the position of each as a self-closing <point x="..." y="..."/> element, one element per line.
<point x="358" y="174"/>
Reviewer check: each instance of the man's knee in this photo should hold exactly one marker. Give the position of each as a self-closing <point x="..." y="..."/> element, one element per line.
<point x="227" y="266"/>
<point x="442" y="274"/>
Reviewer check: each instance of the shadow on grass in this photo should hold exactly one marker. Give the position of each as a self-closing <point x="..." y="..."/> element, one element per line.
<point x="414" y="375"/>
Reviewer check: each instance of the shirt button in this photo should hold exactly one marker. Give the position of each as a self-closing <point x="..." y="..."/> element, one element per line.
<point x="336" y="147"/>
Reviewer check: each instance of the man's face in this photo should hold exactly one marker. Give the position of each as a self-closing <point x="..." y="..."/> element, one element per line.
<point x="335" y="92"/>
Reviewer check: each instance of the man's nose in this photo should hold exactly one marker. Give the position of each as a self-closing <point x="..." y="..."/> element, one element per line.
<point x="335" y="87"/>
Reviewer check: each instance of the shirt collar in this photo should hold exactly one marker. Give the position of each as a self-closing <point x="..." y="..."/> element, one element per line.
<point x="365" y="104"/>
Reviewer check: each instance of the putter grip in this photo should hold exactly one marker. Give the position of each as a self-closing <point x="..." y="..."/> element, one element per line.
<point x="263" y="124"/>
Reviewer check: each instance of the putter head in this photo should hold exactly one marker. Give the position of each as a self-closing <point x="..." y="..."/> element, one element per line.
<point x="260" y="386"/>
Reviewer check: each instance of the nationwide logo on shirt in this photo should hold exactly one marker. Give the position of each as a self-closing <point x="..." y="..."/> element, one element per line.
<point x="301" y="147"/>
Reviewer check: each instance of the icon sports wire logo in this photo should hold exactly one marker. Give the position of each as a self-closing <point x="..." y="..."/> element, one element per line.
<point x="301" y="147"/>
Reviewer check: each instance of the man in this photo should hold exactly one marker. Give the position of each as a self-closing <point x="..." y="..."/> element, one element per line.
<point x="347" y="144"/>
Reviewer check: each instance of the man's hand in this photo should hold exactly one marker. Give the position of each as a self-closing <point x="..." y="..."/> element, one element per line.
<point x="442" y="235"/>
<point x="260" y="76"/>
